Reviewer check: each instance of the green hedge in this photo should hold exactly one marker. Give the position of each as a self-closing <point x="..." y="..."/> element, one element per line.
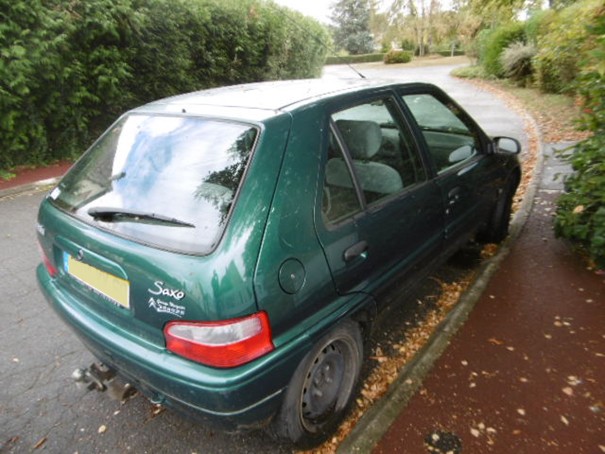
<point x="397" y="56"/>
<point x="448" y="53"/>
<point x="363" y="58"/>
<point x="69" y="68"/>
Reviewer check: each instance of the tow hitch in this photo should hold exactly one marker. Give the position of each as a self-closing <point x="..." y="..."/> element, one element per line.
<point x="102" y="378"/>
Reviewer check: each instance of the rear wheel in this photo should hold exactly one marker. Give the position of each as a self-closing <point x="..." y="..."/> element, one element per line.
<point x="322" y="387"/>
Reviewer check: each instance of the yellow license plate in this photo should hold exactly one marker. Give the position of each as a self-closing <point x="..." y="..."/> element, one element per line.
<point x="108" y="285"/>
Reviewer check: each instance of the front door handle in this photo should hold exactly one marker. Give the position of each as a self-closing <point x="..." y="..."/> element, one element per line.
<point x="355" y="251"/>
<point x="453" y="195"/>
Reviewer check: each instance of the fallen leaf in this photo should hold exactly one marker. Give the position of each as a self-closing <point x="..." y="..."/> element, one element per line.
<point x="568" y="390"/>
<point x="495" y="341"/>
<point x="564" y="420"/>
<point x="380" y="359"/>
<point x="475" y="433"/>
<point x="521" y="411"/>
<point x="40" y="442"/>
<point x="157" y="409"/>
<point x="13" y="440"/>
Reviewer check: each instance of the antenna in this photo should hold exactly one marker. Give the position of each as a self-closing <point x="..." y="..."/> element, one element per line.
<point x="356" y="71"/>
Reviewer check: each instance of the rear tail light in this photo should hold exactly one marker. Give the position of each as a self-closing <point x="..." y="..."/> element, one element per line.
<point x="52" y="269"/>
<point x="226" y="343"/>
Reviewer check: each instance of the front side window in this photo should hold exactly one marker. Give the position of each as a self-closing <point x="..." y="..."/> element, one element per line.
<point x="161" y="180"/>
<point x="449" y="139"/>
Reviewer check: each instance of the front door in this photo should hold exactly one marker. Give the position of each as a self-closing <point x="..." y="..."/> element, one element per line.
<point x="456" y="147"/>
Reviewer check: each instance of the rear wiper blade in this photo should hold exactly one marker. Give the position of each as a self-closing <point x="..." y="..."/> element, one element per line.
<point x="118" y="214"/>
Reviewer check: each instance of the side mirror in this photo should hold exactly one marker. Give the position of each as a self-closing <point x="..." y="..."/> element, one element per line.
<point x="507" y="145"/>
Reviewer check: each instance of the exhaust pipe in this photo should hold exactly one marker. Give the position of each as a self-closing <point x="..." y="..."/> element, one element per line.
<point x="102" y="378"/>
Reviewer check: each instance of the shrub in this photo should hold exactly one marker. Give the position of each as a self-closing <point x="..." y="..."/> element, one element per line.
<point x="581" y="209"/>
<point x="537" y="24"/>
<point x="470" y="72"/>
<point x="494" y="42"/>
<point x="516" y="61"/>
<point x="560" y="41"/>
<point x="397" y="56"/>
<point x="580" y="212"/>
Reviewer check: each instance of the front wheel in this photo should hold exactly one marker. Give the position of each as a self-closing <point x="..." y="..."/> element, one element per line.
<point x="322" y="387"/>
<point x="497" y="228"/>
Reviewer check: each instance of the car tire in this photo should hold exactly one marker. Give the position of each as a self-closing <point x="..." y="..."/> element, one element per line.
<point x="322" y="387"/>
<point x="497" y="228"/>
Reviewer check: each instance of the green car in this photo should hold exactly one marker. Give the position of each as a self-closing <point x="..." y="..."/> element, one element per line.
<point x="227" y="251"/>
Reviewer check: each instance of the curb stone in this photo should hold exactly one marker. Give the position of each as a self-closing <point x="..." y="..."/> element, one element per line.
<point x="36" y="186"/>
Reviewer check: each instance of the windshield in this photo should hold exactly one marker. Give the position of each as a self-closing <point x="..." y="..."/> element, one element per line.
<point x="164" y="181"/>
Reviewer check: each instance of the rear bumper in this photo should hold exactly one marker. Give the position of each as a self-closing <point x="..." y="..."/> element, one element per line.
<point x="231" y="399"/>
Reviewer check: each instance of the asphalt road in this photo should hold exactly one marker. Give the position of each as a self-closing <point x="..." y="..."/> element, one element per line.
<point x="41" y="409"/>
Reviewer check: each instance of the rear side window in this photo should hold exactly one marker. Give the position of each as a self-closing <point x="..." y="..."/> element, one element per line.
<point x="165" y="181"/>
<point x="370" y="147"/>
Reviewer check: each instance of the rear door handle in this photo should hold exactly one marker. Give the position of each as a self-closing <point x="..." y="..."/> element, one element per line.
<point x="355" y="251"/>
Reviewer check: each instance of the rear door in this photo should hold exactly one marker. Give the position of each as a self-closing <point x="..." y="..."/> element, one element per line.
<point x="381" y="216"/>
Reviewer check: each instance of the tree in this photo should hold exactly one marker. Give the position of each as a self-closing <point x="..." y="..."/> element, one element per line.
<point x="418" y="16"/>
<point x="352" y="32"/>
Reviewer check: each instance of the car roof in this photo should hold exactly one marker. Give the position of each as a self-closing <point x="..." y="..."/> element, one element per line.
<point x="258" y="101"/>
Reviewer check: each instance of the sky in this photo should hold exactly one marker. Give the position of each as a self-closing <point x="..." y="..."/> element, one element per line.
<point x="319" y="9"/>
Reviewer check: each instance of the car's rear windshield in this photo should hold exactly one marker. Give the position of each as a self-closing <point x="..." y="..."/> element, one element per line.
<point x="165" y="181"/>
